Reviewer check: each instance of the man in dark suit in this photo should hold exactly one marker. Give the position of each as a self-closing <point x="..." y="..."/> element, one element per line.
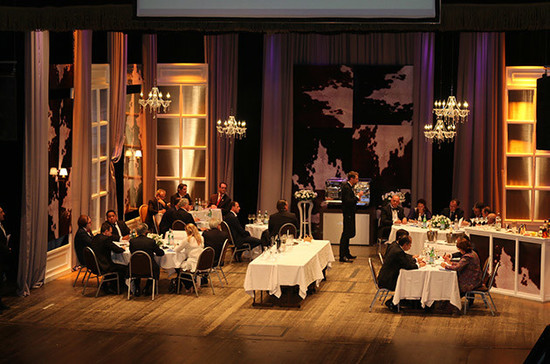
<point x="182" y="193"/>
<point x="240" y="235"/>
<point x="102" y="244"/>
<point x="120" y="229"/>
<point x="349" y="206"/>
<point x="453" y="212"/>
<point x="167" y="219"/>
<point x="221" y="200"/>
<point x="395" y="260"/>
<point x="391" y="214"/>
<point x="83" y="237"/>
<point x="215" y="238"/>
<point x="4" y="256"/>
<point x="156" y="206"/>
<point x="182" y="214"/>
<point x="395" y="244"/>
<point x="281" y="217"/>
<point x="149" y="246"/>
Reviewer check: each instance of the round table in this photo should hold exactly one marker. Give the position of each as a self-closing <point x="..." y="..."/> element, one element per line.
<point x="256" y="230"/>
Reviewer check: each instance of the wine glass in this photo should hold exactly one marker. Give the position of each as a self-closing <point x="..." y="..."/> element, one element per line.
<point x="250" y="218"/>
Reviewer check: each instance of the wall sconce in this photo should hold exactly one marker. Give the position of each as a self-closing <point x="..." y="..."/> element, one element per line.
<point x="60" y="175"/>
<point x="131" y="153"/>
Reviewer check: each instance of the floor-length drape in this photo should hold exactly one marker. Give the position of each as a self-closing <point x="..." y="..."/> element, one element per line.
<point x="82" y="131"/>
<point x="221" y="54"/>
<point x="148" y="130"/>
<point x="477" y="168"/>
<point x="34" y="209"/>
<point x="282" y="51"/>
<point x="118" y="51"/>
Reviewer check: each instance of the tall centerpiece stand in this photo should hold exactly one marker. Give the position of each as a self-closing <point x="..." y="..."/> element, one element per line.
<point x="305" y="207"/>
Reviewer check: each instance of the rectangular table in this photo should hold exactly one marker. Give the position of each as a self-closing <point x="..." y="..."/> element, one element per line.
<point x="419" y="236"/>
<point x="428" y="284"/>
<point x="301" y="265"/>
<point x="256" y="229"/>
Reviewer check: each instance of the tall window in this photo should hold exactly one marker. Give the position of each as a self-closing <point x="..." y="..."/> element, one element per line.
<point x="182" y="131"/>
<point x="100" y="144"/>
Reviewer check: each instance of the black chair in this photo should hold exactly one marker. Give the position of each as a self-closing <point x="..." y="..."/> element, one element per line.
<point x="86" y="271"/>
<point x="204" y="268"/>
<point x="93" y="266"/>
<point x="141" y="266"/>
<point x="178" y="225"/>
<point x="288" y="229"/>
<point x="483" y="292"/>
<point x="245" y="247"/>
<point x="381" y="293"/>
<point x="219" y="263"/>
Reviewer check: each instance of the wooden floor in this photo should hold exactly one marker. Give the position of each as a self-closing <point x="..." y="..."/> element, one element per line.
<point x="56" y="323"/>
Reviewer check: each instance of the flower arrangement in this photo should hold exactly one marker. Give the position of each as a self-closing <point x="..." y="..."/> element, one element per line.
<point x="386" y="197"/>
<point x="156" y="237"/>
<point x="440" y="221"/>
<point x="305" y="195"/>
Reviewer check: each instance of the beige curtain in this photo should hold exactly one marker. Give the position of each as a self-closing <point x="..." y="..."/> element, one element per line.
<point x="478" y="166"/>
<point x="222" y="57"/>
<point x="34" y="209"/>
<point x="118" y="51"/>
<point x="82" y="131"/>
<point x="148" y="130"/>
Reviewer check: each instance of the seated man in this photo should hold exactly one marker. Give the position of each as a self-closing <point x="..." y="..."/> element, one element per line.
<point x="182" y="214"/>
<point x="281" y="217"/>
<point x="453" y="212"/>
<point x="156" y="206"/>
<point x="83" y="237"/>
<point x="215" y="238"/>
<point x="181" y="193"/>
<point x="149" y="246"/>
<point x="168" y="219"/>
<point x="395" y="260"/>
<point x="120" y="229"/>
<point x="240" y="235"/>
<point x="102" y="245"/>
<point x="391" y="214"/>
<point x="395" y="244"/>
<point x="220" y="200"/>
<point x="477" y="210"/>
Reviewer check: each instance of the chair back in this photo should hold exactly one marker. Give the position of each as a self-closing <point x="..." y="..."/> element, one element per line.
<point x="485" y="270"/>
<point x="381" y="258"/>
<point x="143" y="209"/>
<point x="90" y="260"/>
<point x="206" y="260"/>
<point x="140" y="264"/>
<point x="373" y="274"/>
<point x="222" y="254"/>
<point x="492" y="277"/>
<point x="225" y="228"/>
<point x="288" y="228"/>
<point x="178" y="225"/>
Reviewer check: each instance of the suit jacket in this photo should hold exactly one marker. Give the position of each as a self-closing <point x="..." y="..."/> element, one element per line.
<point x="459" y="213"/>
<point x="167" y="220"/>
<point x="224" y="202"/>
<point x="184" y="216"/>
<point x="395" y="260"/>
<point x="102" y="246"/>
<point x="153" y="208"/>
<point x="386" y="218"/>
<point x="149" y="246"/>
<point x="123" y="229"/>
<point x="82" y="239"/>
<point x="238" y="232"/>
<point x="413" y="215"/>
<point x="349" y="199"/>
<point x="278" y="219"/>
<point x="4" y="251"/>
<point x="215" y="238"/>
<point x="175" y="196"/>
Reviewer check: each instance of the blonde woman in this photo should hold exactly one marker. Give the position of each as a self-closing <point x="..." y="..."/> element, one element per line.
<point x="191" y="247"/>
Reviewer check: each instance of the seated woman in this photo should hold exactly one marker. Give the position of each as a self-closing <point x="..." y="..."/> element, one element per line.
<point x="467" y="268"/>
<point x="191" y="247"/>
<point x="420" y="211"/>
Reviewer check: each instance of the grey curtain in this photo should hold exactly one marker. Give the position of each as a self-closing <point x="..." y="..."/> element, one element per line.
<point x="282" y="51"/>
<point x="148" y="130"/>
<point x="118" y="51"/>
<point x="82" y="131"/>
<point x="478" y="170"/>
<point x="221" y="54"/>
<point x="34" y="209"/>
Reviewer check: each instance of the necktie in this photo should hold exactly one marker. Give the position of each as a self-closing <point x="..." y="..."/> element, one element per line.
<point x="219" y="199"/>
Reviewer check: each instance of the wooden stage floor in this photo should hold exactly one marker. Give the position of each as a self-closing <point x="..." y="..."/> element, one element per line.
<point x="57" y="324"/>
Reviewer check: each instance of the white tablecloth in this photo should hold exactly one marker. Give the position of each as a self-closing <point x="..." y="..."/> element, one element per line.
<point x="302" y="265"/>
<point x="202" y="215"/>
<point x="441" y="247"/>
<point x="169" y="261"/>
<point x="418" y="235"/>
<point x="428" y="284"/>
<point x="256" y="230"/>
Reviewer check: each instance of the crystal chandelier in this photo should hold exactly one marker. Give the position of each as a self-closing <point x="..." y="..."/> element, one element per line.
<point x="155" y="101"/>
<point x="232" y="128"/>
<point x="448" y="115"/>
<point x="440" y="132"/>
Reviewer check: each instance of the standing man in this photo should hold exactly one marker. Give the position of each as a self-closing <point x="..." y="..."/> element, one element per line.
<point x="220" y="200"/>
<point x="182" y="193"/>
<point x="4" y="256"/>
<point x="349" y="205"/>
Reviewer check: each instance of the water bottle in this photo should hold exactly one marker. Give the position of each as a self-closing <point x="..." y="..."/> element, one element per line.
<point x="456" y="223"/>
<point x="498" y="222"/>
<point x="266" y="217"/>
<point x="424" y="222"/>
<point x="259" y="217"/>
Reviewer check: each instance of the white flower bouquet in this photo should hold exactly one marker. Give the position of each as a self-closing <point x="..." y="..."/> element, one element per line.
<point x="386" y="197"/>
<point x="305" y="195"/>
<point x="440" y="221"/>
<point x="156" y="237"/>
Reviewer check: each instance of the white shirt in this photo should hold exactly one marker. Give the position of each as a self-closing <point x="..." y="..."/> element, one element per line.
<point x="394" y="214"/>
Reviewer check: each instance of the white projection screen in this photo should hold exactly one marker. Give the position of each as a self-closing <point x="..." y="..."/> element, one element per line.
<point x="357" y="9"/>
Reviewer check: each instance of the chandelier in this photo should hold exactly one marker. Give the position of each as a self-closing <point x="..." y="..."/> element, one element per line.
<point x="155" y="101"/>
<point x="448" y="115"/>
<point x="231" y="128"/>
